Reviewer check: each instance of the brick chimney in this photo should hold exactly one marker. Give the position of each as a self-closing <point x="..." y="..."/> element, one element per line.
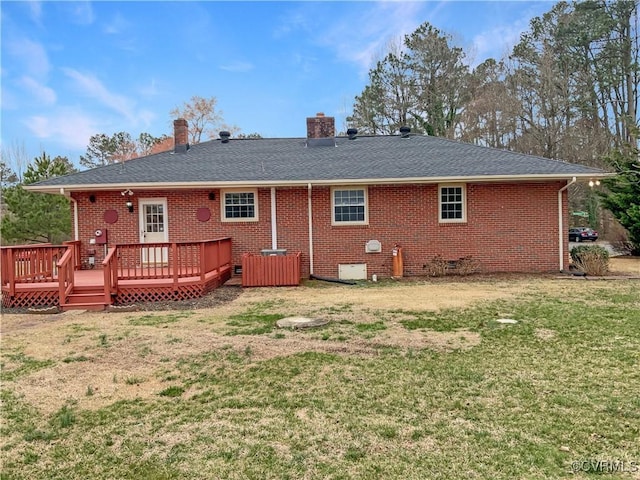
<point x="321" y="126"/>
<point x="180" y="135"/>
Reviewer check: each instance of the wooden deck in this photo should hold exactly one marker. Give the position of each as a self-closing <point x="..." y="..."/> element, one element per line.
<point x="48" y="275"/>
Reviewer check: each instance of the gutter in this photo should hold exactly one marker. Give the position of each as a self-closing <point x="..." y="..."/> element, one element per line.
<point x="317" y="182"/>
<point x="561" y="224"/>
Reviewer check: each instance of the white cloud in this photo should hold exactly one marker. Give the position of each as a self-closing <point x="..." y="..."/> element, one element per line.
<point x="80" y="13"/>
<point x="237" y="66"/>
<point x="151" y="89"/>
<point x="40" y="92"/>
<point x="35" y="11"/>
<point x="94" y="88"/>
<point x="292" y="22"/>
<point x="117" y="25"/>
<point x="146" y="117"/>
<point x="497" y="42"/>
<point x="363" y="33"/>
<point x="304" y="63"/>
<point x="32" y="55"/>
<point x="68" y="127"/>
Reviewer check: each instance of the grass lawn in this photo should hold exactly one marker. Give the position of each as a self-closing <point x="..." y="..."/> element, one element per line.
<point x="410" y="381"/>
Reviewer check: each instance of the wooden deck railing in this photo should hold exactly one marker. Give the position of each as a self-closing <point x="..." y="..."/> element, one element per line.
<point x="75" y="244"/>
<point x="110" y="271"/>
<point x="181" y="268"/>
<point x="29" y="264"/>
<point x="66" y="267"/>
<point x="149" y="261"/>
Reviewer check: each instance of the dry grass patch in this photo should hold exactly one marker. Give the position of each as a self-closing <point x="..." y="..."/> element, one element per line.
<point x="418" y="295"/>
<point x="628" y="265"/>
<point x="119" y="356"/>
<point x="406" y="378"/>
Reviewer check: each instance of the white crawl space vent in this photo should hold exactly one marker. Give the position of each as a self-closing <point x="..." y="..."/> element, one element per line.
<point x="352" y="271"/>
<point x="373" y="246"/>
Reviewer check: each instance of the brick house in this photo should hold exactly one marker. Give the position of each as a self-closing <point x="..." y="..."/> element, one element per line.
<point x="343" y="202"/>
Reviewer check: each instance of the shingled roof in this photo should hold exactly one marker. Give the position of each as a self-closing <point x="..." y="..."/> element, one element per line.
<point x="300" y="161"/>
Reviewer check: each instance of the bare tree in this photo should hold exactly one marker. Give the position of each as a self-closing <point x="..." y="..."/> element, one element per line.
<point x="15" y="158"/>
<point x="490" y="115"/>
<point x="202" y="116"/>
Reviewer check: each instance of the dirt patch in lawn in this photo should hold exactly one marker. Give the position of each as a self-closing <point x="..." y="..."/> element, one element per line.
<point x="97" y="358"/>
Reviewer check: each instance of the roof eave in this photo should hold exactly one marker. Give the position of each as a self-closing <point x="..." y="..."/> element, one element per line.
<point x="66" y="189"/>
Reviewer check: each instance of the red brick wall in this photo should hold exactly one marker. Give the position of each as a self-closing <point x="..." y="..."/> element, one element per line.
<point x="509" y="228"/>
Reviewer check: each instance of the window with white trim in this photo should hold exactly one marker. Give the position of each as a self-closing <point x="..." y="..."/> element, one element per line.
<point x="349" y="206"/>
<point x="452" y="203"/>
<point x="239" y="206"/>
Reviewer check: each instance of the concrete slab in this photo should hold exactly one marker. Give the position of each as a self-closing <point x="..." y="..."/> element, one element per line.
<point x="301" y="322"/>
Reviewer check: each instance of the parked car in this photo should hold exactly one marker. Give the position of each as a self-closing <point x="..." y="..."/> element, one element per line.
<point x="580" y="234"/>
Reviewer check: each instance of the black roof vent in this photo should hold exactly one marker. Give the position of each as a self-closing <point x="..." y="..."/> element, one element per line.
<point x="404" y="132"/>
<point x="224" y="136"/>
<point x="352" y="132"/>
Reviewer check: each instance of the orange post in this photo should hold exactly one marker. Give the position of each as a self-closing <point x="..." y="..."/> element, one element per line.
<point x="398" y="266"/>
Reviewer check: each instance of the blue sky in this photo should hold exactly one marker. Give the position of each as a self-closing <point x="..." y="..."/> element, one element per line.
<point x="73" y="69"/>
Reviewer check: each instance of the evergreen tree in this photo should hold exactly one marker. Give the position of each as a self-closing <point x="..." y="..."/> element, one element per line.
<point x="36" y="217"/>
<point x="623" y="196"/>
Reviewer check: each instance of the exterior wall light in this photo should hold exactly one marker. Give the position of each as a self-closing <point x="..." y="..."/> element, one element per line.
<point x="128" y="194"/>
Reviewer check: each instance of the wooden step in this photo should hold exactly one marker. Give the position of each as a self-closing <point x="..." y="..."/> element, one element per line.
<point x="88" y="289"/>
<point x="85" y="298"/>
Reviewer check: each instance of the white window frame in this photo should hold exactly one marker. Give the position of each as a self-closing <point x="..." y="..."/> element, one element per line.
<point x="463" y="188"/>
<point x="223" y="209"/>
<point x="333" y="205"/>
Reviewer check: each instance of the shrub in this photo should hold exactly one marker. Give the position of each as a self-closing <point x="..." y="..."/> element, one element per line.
<point x="591" y="259"/>
<point x="467" y="265"/>
<point x="437" y="266"/>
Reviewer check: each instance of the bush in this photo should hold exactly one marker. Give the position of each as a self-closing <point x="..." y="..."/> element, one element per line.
<point x="437" y="266"/>
<point x="591" y="259"/>
<point x="467" y="265"/>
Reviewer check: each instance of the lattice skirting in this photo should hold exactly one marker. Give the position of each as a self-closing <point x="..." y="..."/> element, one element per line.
<point x="156" y="294"/>
<point x="126" y="295"/>
<point x="31" y="299"/>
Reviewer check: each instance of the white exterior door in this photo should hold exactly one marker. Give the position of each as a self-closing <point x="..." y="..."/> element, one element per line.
<point x="153" y="229"/>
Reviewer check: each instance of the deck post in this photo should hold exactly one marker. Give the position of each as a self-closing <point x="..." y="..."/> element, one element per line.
<point x="176" y="266"/>
<point x="217" y="257"/>
<point x="11" y="271"/>
<point x="62" y="284"/>
<point x="203" y="261"/>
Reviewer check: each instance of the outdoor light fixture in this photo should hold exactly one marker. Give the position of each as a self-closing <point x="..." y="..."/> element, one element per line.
<point x="128" y="193"/>
<point x="592" y="183"/>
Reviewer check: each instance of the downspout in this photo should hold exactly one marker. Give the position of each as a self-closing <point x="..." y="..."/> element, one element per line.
<point x="309" y="215"/>
<point x="274" y="223"/>
<point x="561" y="233"/>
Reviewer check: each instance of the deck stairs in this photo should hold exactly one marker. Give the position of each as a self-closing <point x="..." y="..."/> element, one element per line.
<point x="85" y="298"/>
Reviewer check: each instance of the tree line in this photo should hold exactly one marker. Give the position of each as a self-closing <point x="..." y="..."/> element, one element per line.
<point x="568" y="90"/>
